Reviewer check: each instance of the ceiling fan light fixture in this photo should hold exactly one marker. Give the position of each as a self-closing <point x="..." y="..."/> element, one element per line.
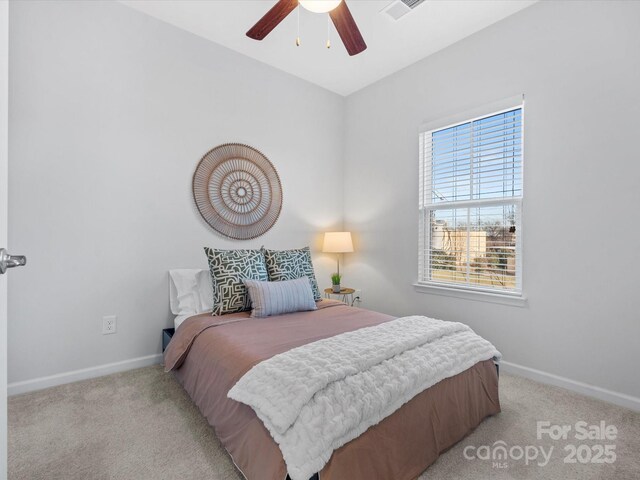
<point x="339" y="15"/>
<point x="319" y="6"/>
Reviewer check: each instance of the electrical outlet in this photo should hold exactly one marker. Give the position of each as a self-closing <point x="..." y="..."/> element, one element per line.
<point x="357" y="297"/>
<point x="109" y="324"/>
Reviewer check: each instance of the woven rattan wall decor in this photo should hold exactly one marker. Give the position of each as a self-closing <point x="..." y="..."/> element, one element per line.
<point x="237" y="191"/>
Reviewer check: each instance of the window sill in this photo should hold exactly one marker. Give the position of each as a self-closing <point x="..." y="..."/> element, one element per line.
<point x="503" y="299"/>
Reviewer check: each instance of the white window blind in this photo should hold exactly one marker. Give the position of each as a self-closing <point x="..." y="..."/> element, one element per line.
<point x="470" y="203"/>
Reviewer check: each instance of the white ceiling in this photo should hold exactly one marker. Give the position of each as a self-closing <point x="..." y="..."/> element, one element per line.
<point x="392" y="45"/>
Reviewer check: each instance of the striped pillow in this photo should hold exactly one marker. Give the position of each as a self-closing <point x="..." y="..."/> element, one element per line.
<point x="275" y="298"/>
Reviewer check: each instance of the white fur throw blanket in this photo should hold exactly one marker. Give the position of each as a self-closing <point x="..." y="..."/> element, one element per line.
<point x="315" y="398"/>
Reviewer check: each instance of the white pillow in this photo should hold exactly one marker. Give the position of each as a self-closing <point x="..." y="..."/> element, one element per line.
<point x="190" y="291"/>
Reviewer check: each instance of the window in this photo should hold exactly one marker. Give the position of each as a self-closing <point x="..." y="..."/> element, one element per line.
<point x="470" y="203"/>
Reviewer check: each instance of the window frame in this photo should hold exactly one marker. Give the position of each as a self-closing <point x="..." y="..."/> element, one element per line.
<point x="424" y="282"/>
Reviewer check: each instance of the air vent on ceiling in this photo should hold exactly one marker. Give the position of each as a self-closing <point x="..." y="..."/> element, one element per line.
<point x="400" y="8"/>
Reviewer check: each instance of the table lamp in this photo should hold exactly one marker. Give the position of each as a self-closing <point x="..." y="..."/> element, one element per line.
<point x="337" y="242"/>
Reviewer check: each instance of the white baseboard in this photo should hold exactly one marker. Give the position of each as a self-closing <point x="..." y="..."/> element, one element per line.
<point x="17" y="388"/>
<point x="616" y="398"/>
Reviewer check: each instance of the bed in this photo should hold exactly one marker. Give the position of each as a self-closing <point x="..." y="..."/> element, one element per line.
<point x="210" y="354"/>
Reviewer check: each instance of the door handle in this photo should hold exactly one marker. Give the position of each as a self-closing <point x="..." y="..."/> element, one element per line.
<point x="10" y="261"/>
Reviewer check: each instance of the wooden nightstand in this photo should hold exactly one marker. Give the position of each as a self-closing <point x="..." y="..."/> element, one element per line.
<point x="345" y="293"/>
<point x="167" y="333"/>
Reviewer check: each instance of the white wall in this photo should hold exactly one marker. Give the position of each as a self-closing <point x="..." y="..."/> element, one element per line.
<point x="579" y="67"/>
<point x="110" y="112"/>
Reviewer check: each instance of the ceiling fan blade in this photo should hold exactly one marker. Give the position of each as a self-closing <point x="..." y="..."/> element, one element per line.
<point x="271" y="19"/>
<point x="347" y="29"/>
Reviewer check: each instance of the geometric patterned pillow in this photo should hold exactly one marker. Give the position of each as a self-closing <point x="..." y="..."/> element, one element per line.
<point x="228" y="269"/>
<point x="291" y="264"/>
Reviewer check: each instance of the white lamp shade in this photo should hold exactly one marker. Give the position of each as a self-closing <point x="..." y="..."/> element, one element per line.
<point x="320" y="6"/>
<point x="337" y="242"/>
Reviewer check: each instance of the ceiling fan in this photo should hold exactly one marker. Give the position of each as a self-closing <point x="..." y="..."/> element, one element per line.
<point x="337" y="9"/>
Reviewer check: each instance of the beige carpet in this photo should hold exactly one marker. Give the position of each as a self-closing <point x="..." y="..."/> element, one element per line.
<point x="141" y="425"/>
